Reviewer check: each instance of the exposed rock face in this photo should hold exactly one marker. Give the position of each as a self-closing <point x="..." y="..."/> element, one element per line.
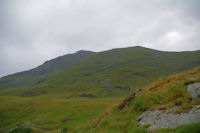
<point x="194" y="90"/>
<point x="158" y="119"/>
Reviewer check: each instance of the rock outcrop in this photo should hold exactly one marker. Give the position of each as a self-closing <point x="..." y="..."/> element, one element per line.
<point x="161" y="119"/>
<point x="158" y="119"/>
<point x="194" y="90"/>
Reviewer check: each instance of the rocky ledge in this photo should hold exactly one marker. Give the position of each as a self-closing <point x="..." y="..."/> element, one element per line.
<point x="161" y="119"/>
<point x="158" y="119"/>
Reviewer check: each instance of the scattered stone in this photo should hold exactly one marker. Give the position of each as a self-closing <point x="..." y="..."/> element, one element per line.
<point x="138" y="92"/>
<point x="129" y="99"/>
<point x="126" y="101"/>
<point x="189" y="77"/>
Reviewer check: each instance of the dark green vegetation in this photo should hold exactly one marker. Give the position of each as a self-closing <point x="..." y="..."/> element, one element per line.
<point x="21" y="130"/>
<point x="170" y="92"/>
<point x="114" y="72"/>
<point x="82" y="92"/>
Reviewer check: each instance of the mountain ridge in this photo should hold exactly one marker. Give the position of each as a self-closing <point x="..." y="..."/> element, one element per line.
<point x="79" y="51"/>
<point x="47" y="67"/>
<point x="99" y="72"/>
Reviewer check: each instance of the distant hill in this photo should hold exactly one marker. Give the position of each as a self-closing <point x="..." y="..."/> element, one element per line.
<point x="108" y="73"/>
<point x="39" y="74"/>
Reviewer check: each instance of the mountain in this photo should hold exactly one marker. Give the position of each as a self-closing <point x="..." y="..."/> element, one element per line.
<point x="169" y="105"/>
<point x="109" y="73"/>
<point x="85" y="92"/>
<point x="39" y="74"/>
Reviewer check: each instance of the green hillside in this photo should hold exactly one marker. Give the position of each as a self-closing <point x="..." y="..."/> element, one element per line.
<point x="56" y="112"/>
<point x="40" y="74"/>
<point x="164" y="94"/>
<point x="109" y="73"/>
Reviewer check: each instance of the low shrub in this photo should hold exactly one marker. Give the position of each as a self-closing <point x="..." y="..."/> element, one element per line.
<point x="145" y="101"/>
<point x="21" y="130"/>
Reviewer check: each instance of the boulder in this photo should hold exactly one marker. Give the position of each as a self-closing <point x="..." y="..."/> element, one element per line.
<point x="194" y="90"/>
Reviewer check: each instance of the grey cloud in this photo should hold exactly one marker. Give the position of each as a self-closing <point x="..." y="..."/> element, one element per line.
<point x="34" y="31"/>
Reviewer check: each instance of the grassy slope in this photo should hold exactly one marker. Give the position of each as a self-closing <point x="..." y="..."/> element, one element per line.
<point x="114" y="72"/>
<point x="50" y="112"/>
<point x="53" y="112"/>
<point x="169" y="92"/>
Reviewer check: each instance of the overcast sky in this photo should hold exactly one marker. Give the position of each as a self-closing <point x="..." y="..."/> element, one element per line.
<point x="33" y="31"/>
